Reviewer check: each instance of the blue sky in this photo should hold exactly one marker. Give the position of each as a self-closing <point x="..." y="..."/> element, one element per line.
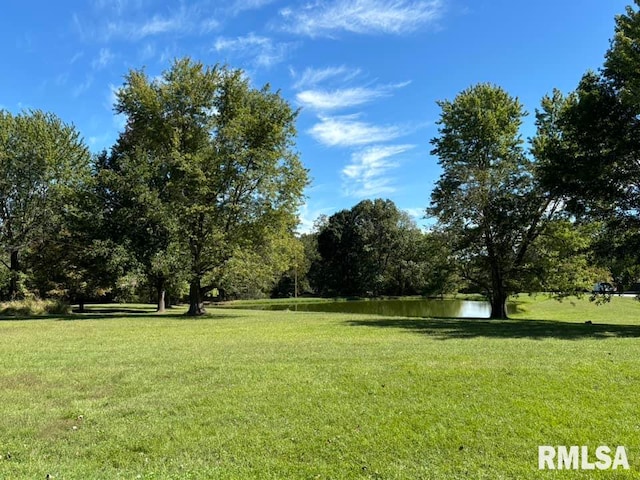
<point x="365" y="73"/>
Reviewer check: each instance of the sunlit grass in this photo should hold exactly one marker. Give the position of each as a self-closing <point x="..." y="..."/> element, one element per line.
<point x="257" y="394"/>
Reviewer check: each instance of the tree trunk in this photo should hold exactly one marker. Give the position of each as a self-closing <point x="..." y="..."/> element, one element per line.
<point x="160" y="295"/>
<point x="14" y="272"/>
<point x="498" y="293"/>
<point x="81" y="305"/>
<point x="499" y="304"/>
<point x="196" y="306"/>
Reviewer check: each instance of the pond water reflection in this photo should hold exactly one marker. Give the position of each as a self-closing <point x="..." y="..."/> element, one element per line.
<point x="438" y="308"/>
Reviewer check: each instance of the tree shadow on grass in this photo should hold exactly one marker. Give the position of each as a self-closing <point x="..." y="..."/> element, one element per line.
<point x="115" y="315"/>
<point x="449" y="329"/>
<point x="115" y="311"/>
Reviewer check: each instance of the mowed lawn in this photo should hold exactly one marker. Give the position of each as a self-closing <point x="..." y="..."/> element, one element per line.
<point x="285" y="395"/>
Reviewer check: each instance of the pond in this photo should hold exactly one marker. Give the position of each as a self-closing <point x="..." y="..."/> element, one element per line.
<point x="431" y="307"/>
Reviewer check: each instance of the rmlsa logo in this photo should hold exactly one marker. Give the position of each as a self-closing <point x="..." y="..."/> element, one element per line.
<point x="579" y="458"/>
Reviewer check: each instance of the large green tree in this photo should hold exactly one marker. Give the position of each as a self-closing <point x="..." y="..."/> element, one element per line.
<point x="226" y="173"/>
<point x="592" y="158"/>
<point x="43" y="161"/>
<point x="487" y="200"/>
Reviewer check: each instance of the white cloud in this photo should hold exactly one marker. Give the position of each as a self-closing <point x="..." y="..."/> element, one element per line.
<point x="147" y="52"/>
<point x="368" y="173"/>
<point x="158" y="25"/>
<point x="333" y="100"/>
<point x="127" y="21"/>
<point x="362" y="16"/>
<point x="209" y="25"/>
<point x="169" y="52"/>
<point x="76" y="57"/>
<point x="417" y="213"/>
<point x="118" y="6"/>
<point x="348" y="131"/>
<point x="112" y="96"/>
<point x="137" y="31"/>
<point x="313" y="76"/>
<point x="262" y="51"/>
<point x="61" y="79"/>
<point x="240" y="6"/>
<point x="99" y="140"/>
<point x="104" y="58"/>
<point x="343" y="98"/>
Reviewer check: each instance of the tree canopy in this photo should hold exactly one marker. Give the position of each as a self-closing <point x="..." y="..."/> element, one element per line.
<point x="43" y="163"/>
<point x="488" y="200"/>
<point x="373" y="249"/>
<point x="223" y="161"/>
<point x="592" y="159"/>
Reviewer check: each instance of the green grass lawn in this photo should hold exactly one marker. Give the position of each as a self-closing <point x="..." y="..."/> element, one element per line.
<point x="278" y="395"/>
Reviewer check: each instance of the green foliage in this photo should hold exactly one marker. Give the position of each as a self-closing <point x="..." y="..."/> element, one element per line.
<point x="31" y="306"/>
<point x="253" y="273"/>
<point x="489" y="204"/>
<point x="373" y="249"/>
<point x="592" y="156"/>
<point x="295" y="281"/>
<point x="589" y="150"/>
<point x="82" y="258"/>
<point x="562" y="259"/>
<point x="42" y="163"/>
<point x="222" y="154"/>
<point x="623" y="56"/>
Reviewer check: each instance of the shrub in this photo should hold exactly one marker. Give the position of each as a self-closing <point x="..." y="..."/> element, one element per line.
<point x="34" y="306"/>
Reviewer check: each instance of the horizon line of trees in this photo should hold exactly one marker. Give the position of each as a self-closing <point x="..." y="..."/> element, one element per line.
<point x="202" y="185"/>
<point x="201" y="190"/>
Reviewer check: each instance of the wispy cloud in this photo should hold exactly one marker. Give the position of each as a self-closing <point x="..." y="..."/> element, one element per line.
<point x="133" y="20"/>
<point x="239" y="6"/>
<point x="417" y="214"/>
<point x="209" y="25"/>
<point x="147" y="51"/>
<point x="325" y="100"/>
<point x="348" y="131"/>
<point x="112" y="96"/>
<point x="83" y="87"/>
<point x="262" y="51"/>
<point x="368" y="173"/>
<point x="313" y="76"/>
<point x="119" y="119"/>
<point x="104" y="58"/>
<point x="362" y="16"/>
<point x="118" y="6"/>
<point x="99" y="141"/>
<point x="156" y="25"/>
<point x="76" y="57"/>
<point x="308" y="215"/>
